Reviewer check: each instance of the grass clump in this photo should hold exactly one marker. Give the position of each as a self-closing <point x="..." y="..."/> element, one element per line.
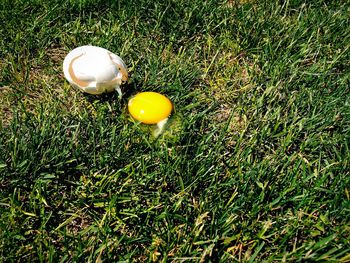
<point x="254" y="164"/>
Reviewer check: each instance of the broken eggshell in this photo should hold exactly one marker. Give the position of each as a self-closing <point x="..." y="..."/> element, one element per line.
<point x="95" y="70"/>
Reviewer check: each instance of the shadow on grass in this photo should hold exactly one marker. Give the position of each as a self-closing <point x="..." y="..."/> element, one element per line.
<point x="127" y="89"/>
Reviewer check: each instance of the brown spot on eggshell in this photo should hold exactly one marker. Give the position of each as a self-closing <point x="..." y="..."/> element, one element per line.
<point x="81" y="83"/>
<point x="120" y="68"/>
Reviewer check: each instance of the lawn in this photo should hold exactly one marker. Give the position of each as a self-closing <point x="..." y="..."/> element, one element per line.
<point x="253" y="165"/>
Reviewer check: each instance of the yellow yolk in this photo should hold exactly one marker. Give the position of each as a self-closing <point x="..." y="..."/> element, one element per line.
<point x="150" y="107"/>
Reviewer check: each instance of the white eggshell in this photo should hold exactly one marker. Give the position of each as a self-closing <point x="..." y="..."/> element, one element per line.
<point x="94" y="70"/>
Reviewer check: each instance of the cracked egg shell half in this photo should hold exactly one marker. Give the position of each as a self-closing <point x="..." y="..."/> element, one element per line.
<point x="94" y="70"/>
<point x="150" y="107"/>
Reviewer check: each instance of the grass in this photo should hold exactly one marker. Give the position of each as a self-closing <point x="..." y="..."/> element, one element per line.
<point x="253" y="166"/>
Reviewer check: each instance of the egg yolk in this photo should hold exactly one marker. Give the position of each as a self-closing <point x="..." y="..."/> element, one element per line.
<point x="150" y="107"/>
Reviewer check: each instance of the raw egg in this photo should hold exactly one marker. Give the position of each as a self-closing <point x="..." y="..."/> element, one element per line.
<point x="150" y="107"/>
